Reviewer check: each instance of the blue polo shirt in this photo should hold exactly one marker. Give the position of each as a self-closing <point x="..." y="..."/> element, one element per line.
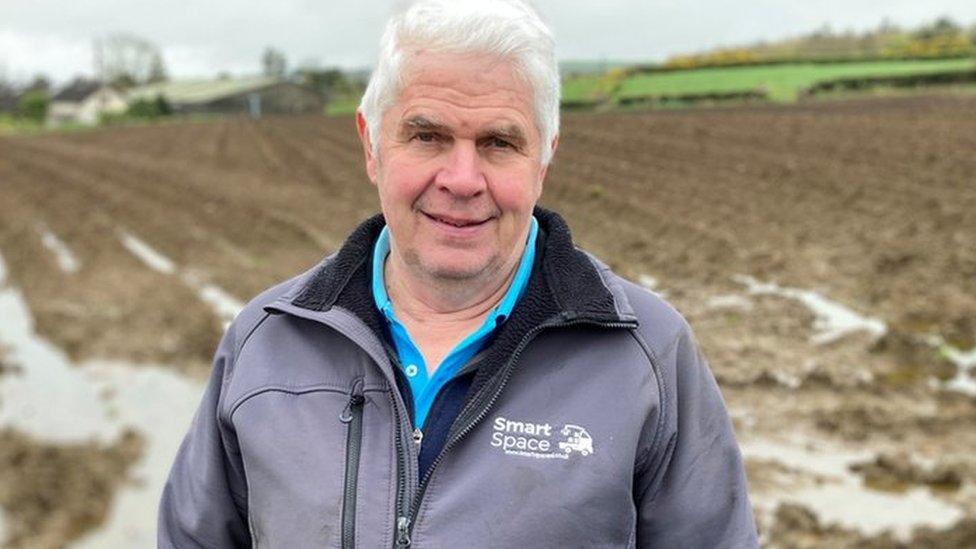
<point x="423" y="387"/>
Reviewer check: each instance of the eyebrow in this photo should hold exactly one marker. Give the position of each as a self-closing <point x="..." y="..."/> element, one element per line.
<point x="421" y="123"/>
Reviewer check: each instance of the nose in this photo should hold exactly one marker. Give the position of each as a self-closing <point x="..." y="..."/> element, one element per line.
<point x="462" y="175"/>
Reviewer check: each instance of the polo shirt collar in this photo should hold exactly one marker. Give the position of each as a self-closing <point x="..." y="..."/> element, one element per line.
<point x="501" y="311"/>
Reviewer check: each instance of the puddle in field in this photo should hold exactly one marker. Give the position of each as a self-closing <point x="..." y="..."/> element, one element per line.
<point x="145" y="253"/>
<point x="65" y="258"/>
<point x="648" y="281"/>
<point x="224" y="305"/>
<point x="840" y="497"/>
<point x="53" y="400"/>
<point x="45" y="376"/>
<point x="965" y="362"/>
<point x="832" y="321"/>
<point x="651" y="283"/>
<point x="729" y="301"/>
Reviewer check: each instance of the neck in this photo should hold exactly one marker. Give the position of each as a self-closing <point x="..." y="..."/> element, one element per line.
<point x="432" y="301"/>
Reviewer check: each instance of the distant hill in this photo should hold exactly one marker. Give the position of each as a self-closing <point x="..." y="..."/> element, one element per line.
<point x="579" y="67"/>
<point x="941" y="38"/>
<point x="942" y="52"/>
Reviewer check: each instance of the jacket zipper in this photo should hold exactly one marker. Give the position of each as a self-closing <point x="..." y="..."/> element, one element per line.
<point x="404" y="480"/>
<point x="402" y="538"/>
<point x="403" y="465"/>
<point x="405" y="522"/>
<point x="352" y="416"/>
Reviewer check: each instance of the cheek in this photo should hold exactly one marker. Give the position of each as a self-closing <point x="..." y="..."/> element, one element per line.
<point x="517" y="194"/>
<point x="401" y="185"/>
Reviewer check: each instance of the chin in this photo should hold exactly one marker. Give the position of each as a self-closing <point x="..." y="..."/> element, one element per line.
<point x="457" y="270"/>
<point x="455" y="273"/>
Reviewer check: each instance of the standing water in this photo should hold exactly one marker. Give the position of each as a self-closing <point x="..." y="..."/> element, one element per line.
<point x="55" y="401"/>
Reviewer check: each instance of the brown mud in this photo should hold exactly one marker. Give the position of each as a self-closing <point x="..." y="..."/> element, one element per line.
<point x="52" y="494"/>
<point x="796" y="527"/>
<point x="7" y="365"/>
<point x="870" y="203"/>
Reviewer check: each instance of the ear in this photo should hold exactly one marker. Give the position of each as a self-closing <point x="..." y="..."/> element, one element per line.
<point x="545" y="169"/>
<point x="364" y="137"/>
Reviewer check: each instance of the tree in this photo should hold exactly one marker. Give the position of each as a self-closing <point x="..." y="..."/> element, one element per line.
<point x="326" y="82"/>
<point x="8" y="97"/>
<point x="157" y="70"/>
<point x="40" y="83"/>
<point x="943" y="26"/>
<point x="125" y="60"/>
<point x="273" y="62"/>
<point x="33" y="106"/>
<point x="825" y="31"/>
<point x="887" y="26"/>
<point x="8" y="93"/>
<point x="150" y="108"/>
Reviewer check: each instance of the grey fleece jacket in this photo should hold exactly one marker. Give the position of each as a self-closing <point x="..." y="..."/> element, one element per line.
<point x="592" y="421"/>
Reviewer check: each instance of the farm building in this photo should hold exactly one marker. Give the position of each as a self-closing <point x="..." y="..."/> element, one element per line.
<point x="253" y="96"/>
<point x="8" y="98"/>
<point x="83" y="102"/>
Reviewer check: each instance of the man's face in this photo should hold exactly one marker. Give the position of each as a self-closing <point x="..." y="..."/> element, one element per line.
<point x="458" y="168"/>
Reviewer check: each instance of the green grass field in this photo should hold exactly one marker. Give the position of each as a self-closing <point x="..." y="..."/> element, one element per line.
<point x="782" y="81"/>
<point x="585" y="88"/>
<point x="342" y="106"/>
<point x="10" y="125"/>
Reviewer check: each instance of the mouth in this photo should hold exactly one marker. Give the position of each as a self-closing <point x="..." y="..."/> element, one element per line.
<point x="458" y="222"/>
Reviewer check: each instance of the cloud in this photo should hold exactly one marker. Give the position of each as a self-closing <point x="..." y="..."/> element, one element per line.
<point x="24" y="55"/>
<point x="202" y="38"/>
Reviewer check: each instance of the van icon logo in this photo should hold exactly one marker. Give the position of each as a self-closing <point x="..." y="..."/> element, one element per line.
<point x="577" y="440"/>
<point x="540" y="440"/>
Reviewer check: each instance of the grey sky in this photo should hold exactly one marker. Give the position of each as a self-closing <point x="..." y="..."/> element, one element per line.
<point x="201" y="38"/>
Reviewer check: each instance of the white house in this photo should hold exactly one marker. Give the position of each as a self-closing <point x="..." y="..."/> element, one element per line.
<point x="83" y="102"/>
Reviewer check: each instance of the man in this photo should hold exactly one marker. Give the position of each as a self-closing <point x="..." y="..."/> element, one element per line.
<point x="459" y="374"/>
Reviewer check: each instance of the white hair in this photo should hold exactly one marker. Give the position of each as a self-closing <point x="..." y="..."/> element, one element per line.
<point x="510" y="29"/>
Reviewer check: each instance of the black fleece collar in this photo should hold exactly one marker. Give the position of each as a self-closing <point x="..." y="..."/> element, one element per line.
<point x="565" y="288"/>
<point x="570" y="283"/>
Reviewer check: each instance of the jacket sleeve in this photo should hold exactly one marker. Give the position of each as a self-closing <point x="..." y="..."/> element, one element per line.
<point x="690" y="489"/>
<point x="204" y="502"/>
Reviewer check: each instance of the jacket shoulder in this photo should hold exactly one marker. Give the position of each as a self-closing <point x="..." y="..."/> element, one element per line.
<point x="660" y="322"/>
<point x="254" y="311"/>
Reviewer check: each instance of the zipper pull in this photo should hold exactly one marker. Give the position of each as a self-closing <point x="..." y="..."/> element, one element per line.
<point x="356" y="398"/>
<point x="418" y="436"/>
<point x="403" y="532"/>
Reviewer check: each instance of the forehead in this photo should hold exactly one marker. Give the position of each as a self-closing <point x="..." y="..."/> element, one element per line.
<point x="464" y="92"/>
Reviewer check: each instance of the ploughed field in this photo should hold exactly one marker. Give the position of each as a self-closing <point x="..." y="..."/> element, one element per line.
<point x="824" y="253"/>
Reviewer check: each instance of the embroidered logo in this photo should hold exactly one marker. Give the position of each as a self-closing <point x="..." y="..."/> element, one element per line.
<point x="540" y="440"/>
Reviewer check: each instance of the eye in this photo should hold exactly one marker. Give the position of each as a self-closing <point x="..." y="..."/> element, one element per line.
<point x="425" y="137"/>
<point x="499" y="143"/>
